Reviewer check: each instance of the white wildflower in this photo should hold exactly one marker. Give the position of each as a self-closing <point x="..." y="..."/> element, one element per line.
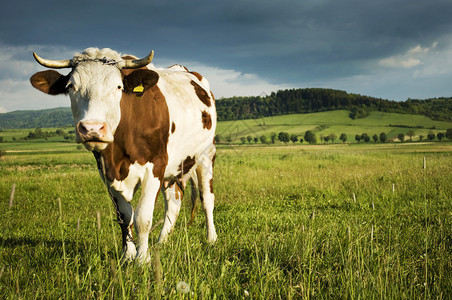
<point x="183" y="287"/>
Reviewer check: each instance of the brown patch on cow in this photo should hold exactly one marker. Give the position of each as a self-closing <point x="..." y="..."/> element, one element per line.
<point x="211" y="185"/>
<point x="186" y="165"/>
<point x="199" y="76"/>
<point x="206" y="120"/>
<point x="201" y="93"/>
<point x="213" y="159"/>
<point x="213" y="98"/>
<point x="173" y="127"/>
<point x="178" y="187"/>
<point x="141" y="136"/>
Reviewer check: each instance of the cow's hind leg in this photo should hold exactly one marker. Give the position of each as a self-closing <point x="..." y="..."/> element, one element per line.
<point x="173" y="196"/>
<point x="204" y="172"/>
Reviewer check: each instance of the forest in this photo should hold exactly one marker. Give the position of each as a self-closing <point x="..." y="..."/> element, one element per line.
<point x="311" y="100"/>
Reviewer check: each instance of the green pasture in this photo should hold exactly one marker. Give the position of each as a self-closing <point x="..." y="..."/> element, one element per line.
<point x="336" y="122"/>
<point x="353" y="221"/>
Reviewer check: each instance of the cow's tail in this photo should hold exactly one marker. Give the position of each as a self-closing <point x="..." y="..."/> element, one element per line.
<point x="194" y="196"/>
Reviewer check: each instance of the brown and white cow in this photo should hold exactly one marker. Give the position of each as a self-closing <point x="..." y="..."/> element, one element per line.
<point x="146" y="126"/>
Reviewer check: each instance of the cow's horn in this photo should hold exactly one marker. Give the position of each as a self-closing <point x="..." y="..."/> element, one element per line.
<point x="136" y="63"/>
<point x="55" y="64"/>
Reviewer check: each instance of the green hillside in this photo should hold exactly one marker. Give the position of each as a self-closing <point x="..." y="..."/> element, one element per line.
<point x="54" y="117"/>
<point x="337" y="122"/>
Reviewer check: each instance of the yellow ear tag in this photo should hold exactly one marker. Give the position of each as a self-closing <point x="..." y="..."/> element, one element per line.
<point x="138" y="89"/>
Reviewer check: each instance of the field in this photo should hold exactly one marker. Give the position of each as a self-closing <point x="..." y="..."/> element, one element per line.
<point x="317" y="221"/>
<point x="306" y="221"/>
<point x="337" y="122"/>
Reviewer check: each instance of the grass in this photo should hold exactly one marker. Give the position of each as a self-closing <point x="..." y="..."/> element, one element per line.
<point x="288" y="226"/>
<point x="336" y="122"/>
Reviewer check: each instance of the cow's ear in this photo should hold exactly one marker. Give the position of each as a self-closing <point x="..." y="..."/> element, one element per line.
<point x="139" y="80"/>
<point x="50" y="82"/>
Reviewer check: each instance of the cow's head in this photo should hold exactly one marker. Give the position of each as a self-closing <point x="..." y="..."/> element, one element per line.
<point x="95" y="86"/>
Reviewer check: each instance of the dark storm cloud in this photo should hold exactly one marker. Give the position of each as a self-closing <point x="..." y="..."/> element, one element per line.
<point x="285" y="42"/>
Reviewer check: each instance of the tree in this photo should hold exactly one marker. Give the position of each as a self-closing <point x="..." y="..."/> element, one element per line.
<point x="449" y="133"/>
<point x="294" y="138"/>
<point x="301" y="141"/>
<point x="440" y="136"/>
<point x="358" y="138"/>
<point x="375" y="138"/>
<point x="229" y="139"/>
<point x="421" y="137"/>
<point x="431" y="136"/>
<point x="217" y="138"/>
<point x="332" y="137"/>
<point x="343" y="137"/>
<point x="283" y="137"/>
<point x="39" y="133"/>
<point x="310" y="137"/>
<point x="410" y="133"/>
<point x="326" y="138"/>
<point x="401" y="137"/>
<point x="263" y="139"/>
<point x="243" y="139"/>
<point x="256" y="139"/>
<point x="365" y="137"/>
<point x="273" y="137"/>
<point x="383" y="137"/>
<point x="60" y="132"/>
<point x="249" y="138"/>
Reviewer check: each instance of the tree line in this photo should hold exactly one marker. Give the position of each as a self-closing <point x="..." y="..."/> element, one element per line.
<point x="311" y="100"/>
<point x="311" y="137"/>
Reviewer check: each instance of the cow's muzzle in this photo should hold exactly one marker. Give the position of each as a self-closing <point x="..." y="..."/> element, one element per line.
<point x="94" y="135"/>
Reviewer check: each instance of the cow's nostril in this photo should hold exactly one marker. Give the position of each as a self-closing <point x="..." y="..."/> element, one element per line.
<point x="82" y="129"/>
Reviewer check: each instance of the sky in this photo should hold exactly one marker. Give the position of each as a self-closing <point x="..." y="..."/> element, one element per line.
<point x="390" y="49"/>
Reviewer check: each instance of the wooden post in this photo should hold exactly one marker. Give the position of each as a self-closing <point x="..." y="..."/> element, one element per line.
<point x="425" y="163"/>
<point x="393" y="188"/>
<point x="354" y="197"/>
<point x="98" y="220"/>
<point x="11" y="197"/>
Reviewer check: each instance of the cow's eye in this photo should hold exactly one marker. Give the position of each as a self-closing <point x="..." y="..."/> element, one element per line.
<point x="119" y="87"/>
<point x="70" y="86"/>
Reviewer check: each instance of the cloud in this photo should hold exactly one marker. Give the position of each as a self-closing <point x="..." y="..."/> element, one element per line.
<point x="412" y="58"/>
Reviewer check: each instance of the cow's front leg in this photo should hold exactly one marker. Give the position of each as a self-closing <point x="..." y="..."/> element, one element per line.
<point x="124" y="213"/>
<point x="143" y="215"/>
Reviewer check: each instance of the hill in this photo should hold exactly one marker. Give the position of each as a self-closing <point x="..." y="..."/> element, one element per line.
<point x="55" y="117"/>
<point x="317" y="100"/>
<point x="328" y="122"/>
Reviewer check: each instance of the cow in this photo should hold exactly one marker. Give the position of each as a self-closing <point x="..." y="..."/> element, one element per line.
<point x="147" y="127"/>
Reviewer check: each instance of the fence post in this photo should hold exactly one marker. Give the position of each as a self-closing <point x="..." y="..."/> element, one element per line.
<point x="11" y="197"/>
